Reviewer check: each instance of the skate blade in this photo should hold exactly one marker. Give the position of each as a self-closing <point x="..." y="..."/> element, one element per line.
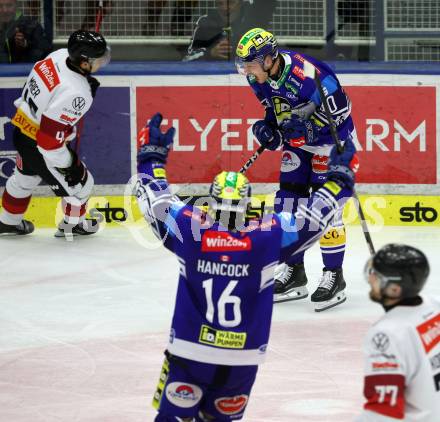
<point x="69" y="235"/>
<point x="6" y="234"/>
<point x="294" y="294"/>
<point x="334" y="301"/>
<point x="60" y="233"/>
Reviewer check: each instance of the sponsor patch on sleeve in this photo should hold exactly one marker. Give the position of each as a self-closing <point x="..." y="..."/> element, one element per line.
<point x="429" y="333"/>
<point x="47" y="72"/>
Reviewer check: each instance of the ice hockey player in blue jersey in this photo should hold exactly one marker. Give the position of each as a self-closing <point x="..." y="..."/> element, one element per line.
<point x="222" y="315"/>
<point x="295" y="119"/>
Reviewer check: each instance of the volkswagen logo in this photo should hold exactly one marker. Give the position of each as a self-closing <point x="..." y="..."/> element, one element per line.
<point x="381" y="342"/>
<point x="78" y="103"/>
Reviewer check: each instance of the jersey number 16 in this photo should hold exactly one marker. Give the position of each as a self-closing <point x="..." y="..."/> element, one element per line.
<point x="225" y="298"/>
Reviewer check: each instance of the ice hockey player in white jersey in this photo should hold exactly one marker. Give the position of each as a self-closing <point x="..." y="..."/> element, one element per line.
<point x="402" y="350"/>
<point x="58" y="93"/>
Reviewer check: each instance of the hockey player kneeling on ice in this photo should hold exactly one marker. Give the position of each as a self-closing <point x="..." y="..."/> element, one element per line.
<point x="58" y="93"/>
<point x="402" y="349"/>
<point x="222" y="315"/>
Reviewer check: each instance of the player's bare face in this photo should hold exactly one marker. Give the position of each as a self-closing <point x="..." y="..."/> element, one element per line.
<point x="373" y="281"/>
<point x="7" y="10"/>
<point x="375" y="292"/>
<point x="256" y="69"/>
<point x="100" y="62"/>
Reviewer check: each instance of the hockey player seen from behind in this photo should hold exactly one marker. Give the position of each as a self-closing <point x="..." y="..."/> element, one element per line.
<point x="296" y="121"/>
<point x="58" y="93"/>
<point x="222" y="315"/>
<point x="402" y="349"/>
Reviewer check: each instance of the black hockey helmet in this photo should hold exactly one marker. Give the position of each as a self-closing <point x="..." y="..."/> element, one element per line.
<point x="87" y="46"/>
<point x="403" y="265"/>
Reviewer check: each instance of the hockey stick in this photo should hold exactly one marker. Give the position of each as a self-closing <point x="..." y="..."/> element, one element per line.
<point x="99" y="16"/>
<point x="251" y="160"/>
<point x="310" y="72"/>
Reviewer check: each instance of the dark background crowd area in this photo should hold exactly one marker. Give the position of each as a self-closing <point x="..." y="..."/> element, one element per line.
<point x="208" y="30"/>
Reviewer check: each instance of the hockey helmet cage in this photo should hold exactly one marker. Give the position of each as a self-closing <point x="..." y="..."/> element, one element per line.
<point x="88" y="46"/>
<point x="403" y="265"/>
<point x="255" y="45"/>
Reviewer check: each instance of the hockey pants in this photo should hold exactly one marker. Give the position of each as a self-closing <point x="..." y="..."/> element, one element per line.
<point x="30" y="170"/>
<point x="303" y="172"/>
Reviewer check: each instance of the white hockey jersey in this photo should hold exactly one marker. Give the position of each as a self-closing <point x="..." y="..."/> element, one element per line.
<point x="402" y="366"/>
<point x="52" y="102"/>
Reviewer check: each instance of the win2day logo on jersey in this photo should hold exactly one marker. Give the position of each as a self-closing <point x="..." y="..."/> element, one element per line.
<point x="213" y="241"/>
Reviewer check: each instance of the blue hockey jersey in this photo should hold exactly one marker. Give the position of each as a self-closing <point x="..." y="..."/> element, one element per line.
<point x="293" y="92"/>
<point x="224" y="299"/>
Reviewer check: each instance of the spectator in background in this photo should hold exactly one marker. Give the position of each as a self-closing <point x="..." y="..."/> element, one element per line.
<point x="92" y="7"/>
<point x="22" y="39"/>
<point x="178" y="13"/>
<point x="216" y="34"/>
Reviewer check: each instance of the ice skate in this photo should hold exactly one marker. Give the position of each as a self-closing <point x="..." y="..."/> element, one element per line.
<point x="291" y="285"/>
<point x="85" y="228"/>
<point x="331" y="290"/>
<point x="25" y="227"/>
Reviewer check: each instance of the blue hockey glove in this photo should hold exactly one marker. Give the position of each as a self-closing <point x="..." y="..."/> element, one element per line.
<point x="268" y="137"/>
<point x="299" y="132"/>
<point x="342" y="166"/>
<point x="153" y="145"/>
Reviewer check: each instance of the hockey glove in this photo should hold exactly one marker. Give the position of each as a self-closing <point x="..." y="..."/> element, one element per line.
<point x="268" y="136"/>
<point x="94" y="85"/>
<point x="76" y="173"/>
<point x="153" y="145"/>
<point x="342" y="166"/>
<point x="299" y="132"/>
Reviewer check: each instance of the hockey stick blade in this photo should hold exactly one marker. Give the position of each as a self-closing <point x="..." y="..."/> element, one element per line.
<point x="310" y="72"/>
<point x="251" y="160"/>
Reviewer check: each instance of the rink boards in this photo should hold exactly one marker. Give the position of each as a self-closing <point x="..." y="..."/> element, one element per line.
<point x="396" y="119"/>
<point x="380" y="210"/>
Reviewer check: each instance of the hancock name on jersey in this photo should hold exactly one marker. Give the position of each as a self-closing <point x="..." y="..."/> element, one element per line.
<point x="223" y="269"/>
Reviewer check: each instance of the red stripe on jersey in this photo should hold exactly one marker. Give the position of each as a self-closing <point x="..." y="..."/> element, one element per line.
<point x="47" y="72"/>
<point x="385" y="395"/>
<point x="52" y="133"/>
<point x="15" y="205"/>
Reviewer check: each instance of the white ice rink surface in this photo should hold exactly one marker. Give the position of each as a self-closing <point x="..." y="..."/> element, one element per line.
<point x="83" y="325"/>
